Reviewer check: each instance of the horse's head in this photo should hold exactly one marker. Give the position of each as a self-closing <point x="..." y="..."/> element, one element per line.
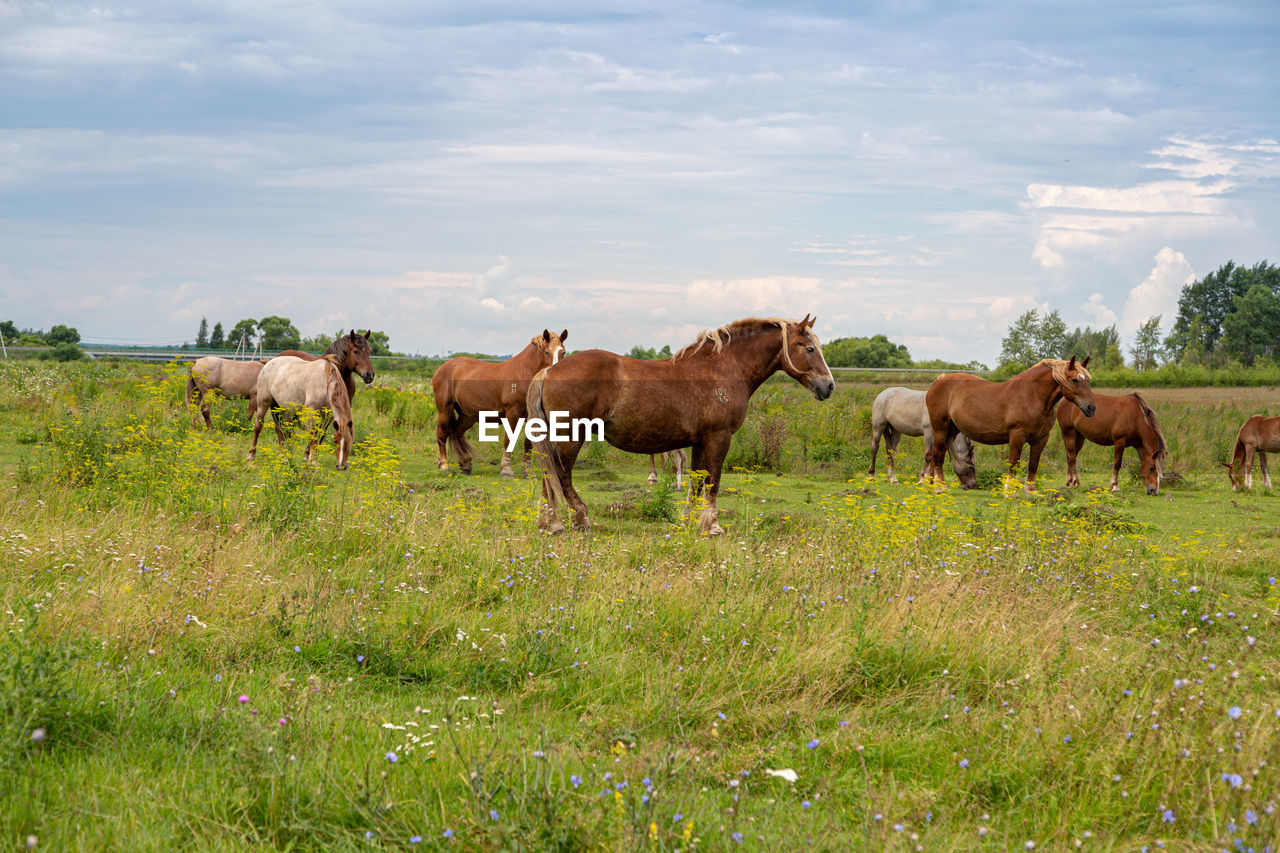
<point x="357" y="355"/>
<point x="1151" y="469"/>
<point x="551" y="345"/>
<point x="802" y="358"/>
<point x="1236" y="475"/>
<point x="963" y="461"/>
<point x="1074" y="381"/>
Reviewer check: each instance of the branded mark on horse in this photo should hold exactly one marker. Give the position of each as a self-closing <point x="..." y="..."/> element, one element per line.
<point x="1260" y="435"/>
<point x="901" y="411"/>
<point x="464" y="387"/>
<point x="1118" y="422"/>
<point x="352" y="354"/>
<point x="311" y="392"/>
<point x="1017" y="411"/>
<point x="224" y="376"/>
<point x="697" y="398"/>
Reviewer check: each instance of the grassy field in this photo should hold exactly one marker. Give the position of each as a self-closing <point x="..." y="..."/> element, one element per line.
<point x="201" y="653"/>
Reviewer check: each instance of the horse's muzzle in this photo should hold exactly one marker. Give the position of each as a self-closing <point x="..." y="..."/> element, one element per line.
<point x="1089" y="410"/>
<point x="367" y="377"/>
<point x="1153" y="491"/>
<point x="823" y="388"/>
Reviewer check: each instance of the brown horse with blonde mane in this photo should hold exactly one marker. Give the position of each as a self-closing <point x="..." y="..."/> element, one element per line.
<point x="1017" y="411"/>
<point x="697" y="398"/>
<point x="464" y="387"/>
<point x="1259" y="435"/>
<point x="1118" y="422"/>
<point x="308" y="391"/>
<point x="352" y="355"/>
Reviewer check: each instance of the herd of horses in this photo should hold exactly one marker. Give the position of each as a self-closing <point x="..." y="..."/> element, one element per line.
<point x="698" y="399"/>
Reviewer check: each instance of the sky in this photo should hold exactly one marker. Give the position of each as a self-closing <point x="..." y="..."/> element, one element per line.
<point x="462" y="175"/>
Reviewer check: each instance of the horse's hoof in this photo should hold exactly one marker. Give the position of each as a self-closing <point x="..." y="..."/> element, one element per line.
<point x="715" y="530"/>
<point x="442" y="466"/>
<point x="508" y="474"/>
<point x="652" y="481"/>
<point x="581" y="526"/>
<point x="893" y="480"/>
<point x="555" y="528"/>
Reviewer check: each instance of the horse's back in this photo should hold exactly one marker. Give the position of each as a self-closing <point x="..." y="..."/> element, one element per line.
<point x="291" y="381"/>
<point x="228" y="375"/>
<point x="902" y="408"/>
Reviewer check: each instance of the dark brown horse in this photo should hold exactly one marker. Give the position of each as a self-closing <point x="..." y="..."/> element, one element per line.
<point x="697" y="398"/>
<point x="351" y="353"/>
<point x="1259" y="435"/>
<point x="464" y="387"/>
<point x="1017" y="411"/>
<point x="1118" y="422"/>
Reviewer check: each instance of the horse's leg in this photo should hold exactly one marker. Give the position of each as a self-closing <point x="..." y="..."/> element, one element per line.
<point x="891" y="439"/>
<point x="653" y="471"/>
<point x="258" y="417"/>
<point x="1016" y="440"/>
<point x="1266" y="476"/>
<point x="1033" y="461"/>
<point x="568" y="458"/>
<point x="714" y="450"/>
<point x="679" y="454"/>
<point x="444" y="415"/>
<point x="877" y="430"/>
<point x="465" y="453"/>
<point x="504" y="468"/>
<point x="1248" y="466"/>
<point x="1115" y="465"/>
<point x="1071" y="440"/>
<point x="938" y="453"/>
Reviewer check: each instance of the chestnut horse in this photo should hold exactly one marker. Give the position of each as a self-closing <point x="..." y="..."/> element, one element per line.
<point x="464" y="387"/>
<point x="1260" y="435"/>
<point x="677" y="460"/>
<point x="901" y="411"/>
<point x="226" y="376"/>
<point x="697" y="398"/>
<point x="1017" y="411"/>
<point x="311" y="391"/>
<point x="1119" y="422"/>
<point x="353" y="356"/>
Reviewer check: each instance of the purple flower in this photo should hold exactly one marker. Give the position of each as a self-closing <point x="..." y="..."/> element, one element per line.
<point x="575" y="779"/>
<point x="415" y="839"/>
<point x="243" y="698"/>
<point x="1234" y="712"/>
<point x="813" y="744"/>
<point x="964" y="762"/>
<point x="804" y="804"/>
<point x="737" y="837"/>
<point x="392" y="757"/>
<point x="493" y="814"/>
<point x="448" y="833"/>
<point x="1167" y="817"/>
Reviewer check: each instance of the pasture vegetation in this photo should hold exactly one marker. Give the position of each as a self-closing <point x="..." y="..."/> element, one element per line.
<point x="203" y="653"/>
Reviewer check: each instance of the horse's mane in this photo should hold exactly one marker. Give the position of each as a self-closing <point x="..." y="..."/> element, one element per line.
<point x="1059" y="368"/>
<point x="1161" y="449"/>
<point x="717" y="338"/>
<point x="343" y="342"/>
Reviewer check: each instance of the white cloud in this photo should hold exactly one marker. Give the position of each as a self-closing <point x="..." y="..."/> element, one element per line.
<point x="1158" y="292"/>
<point x="1097" y="311"/>
<point x="786" y="296"/>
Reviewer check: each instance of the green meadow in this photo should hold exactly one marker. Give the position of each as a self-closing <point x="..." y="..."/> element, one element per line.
<point x="204" y="653"/>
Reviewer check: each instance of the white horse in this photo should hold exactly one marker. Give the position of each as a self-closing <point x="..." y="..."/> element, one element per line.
<point x="309" y="391"/>
<point x="678" y="453"/>
<point x="222" y="375"/>
<point x="900" y="411"/>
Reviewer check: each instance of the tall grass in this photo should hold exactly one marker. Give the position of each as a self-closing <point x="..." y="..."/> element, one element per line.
<point x="269" y="653"/>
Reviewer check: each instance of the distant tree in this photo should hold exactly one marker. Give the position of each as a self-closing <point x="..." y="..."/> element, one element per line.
<point x="278" y="333"/>
<point x="1210" y="300"/>
<point x="649" y="353"/>
<point x="875" y="351"/>
<point x="248" y="329"/>
<point x="62" y="335"/>
<point x="1252" y="329"/>
<point x="215" y="339"/>
<point x="379" y="343"/>
<point x="9" y="329"/>
<point x="202" y="336"/>
<point x="64" y="351"/>
<point x="1103" y="346"/>
<point x="1147" y="350"/>
<point x="1031" y="338"/>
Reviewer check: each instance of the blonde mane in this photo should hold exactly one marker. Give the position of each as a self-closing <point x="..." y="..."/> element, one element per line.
<point x="1161" y="449"/>
<point x="717" y="338"/>
<point x="1059" y="368"/>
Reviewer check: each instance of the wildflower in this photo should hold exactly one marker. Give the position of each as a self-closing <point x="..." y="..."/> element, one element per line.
<point x="737" y="837"/>
<point x="493" y="814"/>
<point x="813" y="744"/>
<point x="1234" y="712"/>
<point x="392" y="757"/>
<point x="415" y="839"/>
<point x="1167" y="817"/>
<point x="243" y="698"/>
<point x="964" y="762"/>
<point x="804" y="804"/>
<point x="448" y="833"/>
<point x="575" y="780"/>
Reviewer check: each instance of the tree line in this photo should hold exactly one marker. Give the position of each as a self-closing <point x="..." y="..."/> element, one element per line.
<point x="1230" y="316"/>
<point x="64" y="340"/>
<point x="275" y="333"/>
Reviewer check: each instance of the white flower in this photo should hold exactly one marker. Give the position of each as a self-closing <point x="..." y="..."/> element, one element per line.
<point x="788" y="774"/>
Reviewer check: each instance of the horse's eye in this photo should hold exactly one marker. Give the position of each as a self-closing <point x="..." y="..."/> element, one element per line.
<point x="808" y="349"/>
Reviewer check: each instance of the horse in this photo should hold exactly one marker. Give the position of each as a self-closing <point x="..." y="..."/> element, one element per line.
<point x="353" y="355"/>
<point x="1017" y="411"/>
<point x="697" y="398"/>
<point x="676" y="457"/>
<point x="1119" y="422"/>
<point x="305" y="390"/>
<point x="1260" y="435"/>
<point x="464" y="387"/>
<point x="225" y="376"/>
<point x="901" y="411"/>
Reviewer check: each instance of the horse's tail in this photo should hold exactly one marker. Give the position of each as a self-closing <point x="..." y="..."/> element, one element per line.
<point x="192" y="391"/>
<point x="1162" y="448"/>
<point x="547" y="452"/>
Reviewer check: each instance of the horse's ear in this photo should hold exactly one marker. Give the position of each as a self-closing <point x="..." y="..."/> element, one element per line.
<point x="1071" y="364"/>
<point x="1085" y="363"/>
<point x="546" y="336"/>
<point x="368" y="333"/>
<point x="564" y="335"/>
<point x="352" y="336"/>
